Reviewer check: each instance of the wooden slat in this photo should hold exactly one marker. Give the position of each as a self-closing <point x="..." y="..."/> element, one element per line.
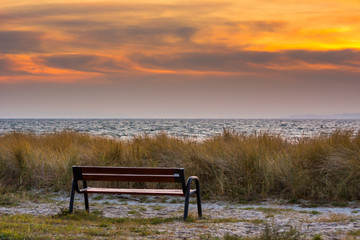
<point x="175" y="192"/>
<point x="129" y="170"/>
<point x="127" y="177"/>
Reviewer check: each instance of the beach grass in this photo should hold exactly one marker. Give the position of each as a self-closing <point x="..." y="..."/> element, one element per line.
<point x="230" y="165"/>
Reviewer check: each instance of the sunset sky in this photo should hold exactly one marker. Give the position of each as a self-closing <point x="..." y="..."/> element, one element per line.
<point x="179" y="59"/>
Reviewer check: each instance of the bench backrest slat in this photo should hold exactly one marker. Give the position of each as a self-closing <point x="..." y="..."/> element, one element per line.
<point x="128" y="177"/>
<point x="129" y="174"/>
<point x="128" y="170"/>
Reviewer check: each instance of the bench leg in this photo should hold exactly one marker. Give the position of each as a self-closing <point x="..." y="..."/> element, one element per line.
<point x="186" y="208"/>
<point x="86" y="202"/>
<point x="198" y="199"/>
<point x="71" y="205"/>
<point x="86" y="199"/>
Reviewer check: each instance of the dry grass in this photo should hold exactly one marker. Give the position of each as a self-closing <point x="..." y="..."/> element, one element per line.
<point x="336" y="218"/>
<point x="230" y="165"/>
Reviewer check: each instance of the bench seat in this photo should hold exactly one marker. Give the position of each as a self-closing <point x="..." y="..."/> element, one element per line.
<point x="174" y="192"/>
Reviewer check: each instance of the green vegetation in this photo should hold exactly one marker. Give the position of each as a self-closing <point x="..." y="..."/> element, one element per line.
<point x="314" y="212"/>
<point x="274" y="232"/>
<point x="231" y="165"/>
<point x="271" y="232"/>
<point x="8" y="200"/>
<point x="317" y="237"/>
<point x="82" y="225"/>
<point x="337" y="218"/>
<point x="354" y="233"/>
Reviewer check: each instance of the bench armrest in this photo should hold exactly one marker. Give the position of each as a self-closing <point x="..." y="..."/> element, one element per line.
<point x="188" y="184"/>
<point x="75" y="185"/>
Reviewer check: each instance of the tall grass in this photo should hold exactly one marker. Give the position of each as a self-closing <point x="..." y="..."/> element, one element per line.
<point x="230" y="165"/>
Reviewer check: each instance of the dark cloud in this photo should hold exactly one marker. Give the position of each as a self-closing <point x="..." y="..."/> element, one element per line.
<point x="147" y="34"/>
<point x="36" y="11"/>
<point x="110" y="23"/>
<point x="80" y="62"/>
<point x="247" y="60"/>
<point x="265" y="26"/>
<point x="46" y="10"/>
<point x="5" y="64"/>
<point x="6" y="67"/>
<point x="158" y="31"/>
<point x="257" y="26"/>
<point x="232" y="62"/>
<point x="74" y="24"/>
<point x="185" y="32"/>
<point x="337" y="57"/>
<point x="20" y="41"/>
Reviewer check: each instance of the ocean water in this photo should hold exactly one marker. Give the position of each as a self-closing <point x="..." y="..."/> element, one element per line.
<point x="190" y="128"/>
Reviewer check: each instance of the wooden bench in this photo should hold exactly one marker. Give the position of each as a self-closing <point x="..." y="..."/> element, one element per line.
<point x="134" y="174"/>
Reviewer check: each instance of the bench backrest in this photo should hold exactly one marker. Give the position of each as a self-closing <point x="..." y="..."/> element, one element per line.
<point x="129" y="174"/>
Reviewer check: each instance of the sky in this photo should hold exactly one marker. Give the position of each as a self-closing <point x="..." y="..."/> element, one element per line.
<point x="179" y="59"/>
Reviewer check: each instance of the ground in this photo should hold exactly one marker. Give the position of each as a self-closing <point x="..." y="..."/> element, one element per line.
<point x="161" y="218"/>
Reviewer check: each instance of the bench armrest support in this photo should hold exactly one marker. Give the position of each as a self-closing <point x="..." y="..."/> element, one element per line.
<point x="76" y="186"/>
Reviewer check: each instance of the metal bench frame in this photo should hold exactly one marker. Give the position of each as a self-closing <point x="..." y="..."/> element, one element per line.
<point x="134" y="174"/>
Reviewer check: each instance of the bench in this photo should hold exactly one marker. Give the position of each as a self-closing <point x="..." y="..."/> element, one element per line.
<point x="134" y="174"/>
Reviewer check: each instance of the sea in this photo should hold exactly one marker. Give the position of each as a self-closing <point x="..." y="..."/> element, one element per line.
<point x="198" y="129"/>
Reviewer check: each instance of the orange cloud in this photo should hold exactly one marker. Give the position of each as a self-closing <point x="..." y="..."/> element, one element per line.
<point x="87" y="39"/>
